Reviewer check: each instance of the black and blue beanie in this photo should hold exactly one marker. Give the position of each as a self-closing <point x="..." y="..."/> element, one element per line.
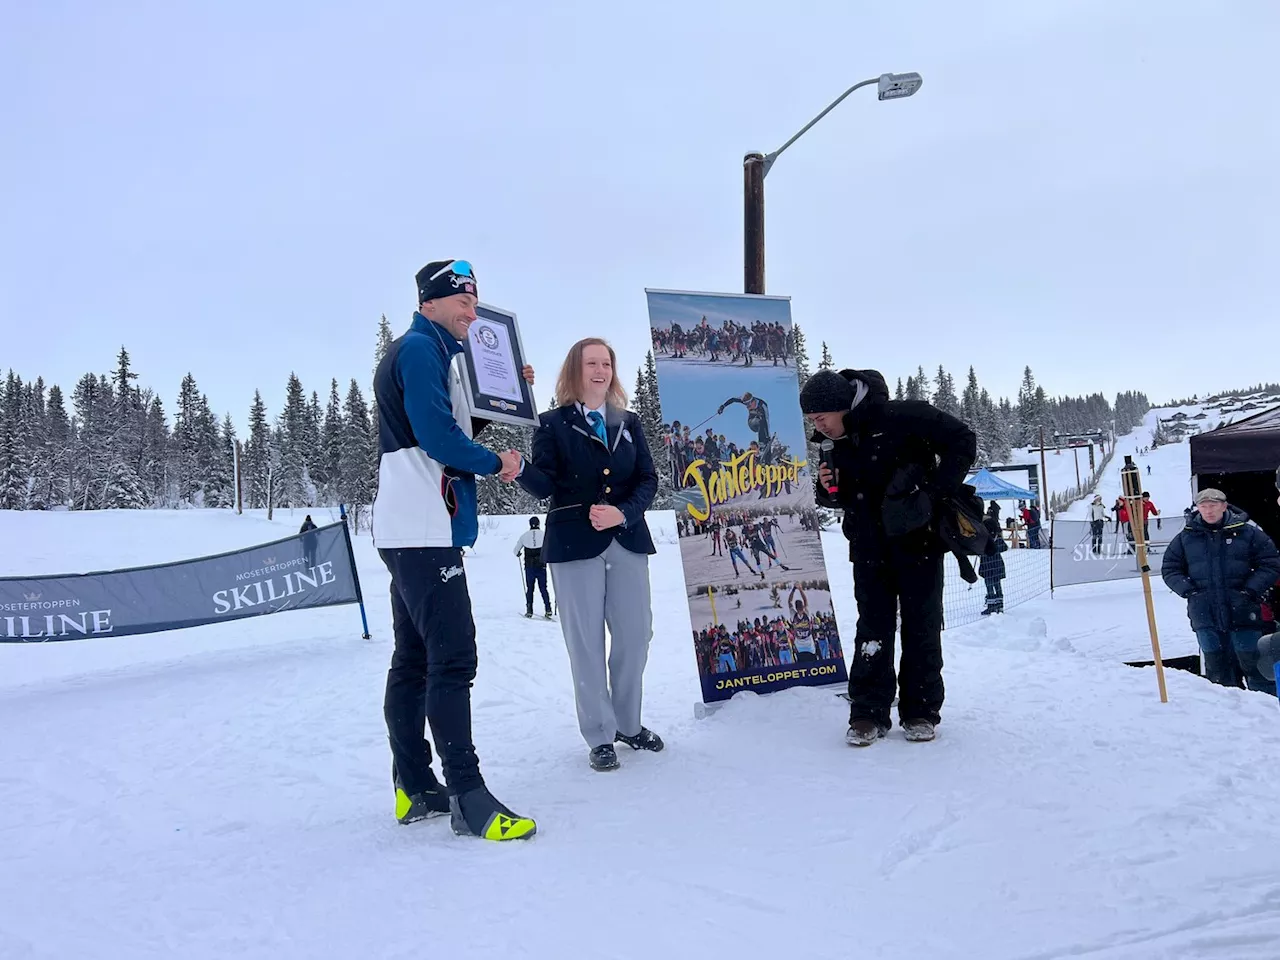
<point x="445" y="278"/>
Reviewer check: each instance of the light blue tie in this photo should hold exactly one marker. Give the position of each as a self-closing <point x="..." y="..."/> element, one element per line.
<point x="597" y="423"/>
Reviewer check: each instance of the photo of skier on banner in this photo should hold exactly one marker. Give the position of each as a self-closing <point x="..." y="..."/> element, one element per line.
<point x="757" y="421"/>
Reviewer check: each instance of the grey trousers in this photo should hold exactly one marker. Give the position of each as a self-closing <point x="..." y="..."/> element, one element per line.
<point x="612" y="588"/>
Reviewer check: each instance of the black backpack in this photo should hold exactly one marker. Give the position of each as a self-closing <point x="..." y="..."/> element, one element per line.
<point x="960" y="526"/>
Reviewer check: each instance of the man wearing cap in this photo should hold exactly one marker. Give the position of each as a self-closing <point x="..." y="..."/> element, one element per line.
<point x="1221" y="564"/>
<point x="891" y="460"/>
<point x="424" y="514"/>
<point x="535" y="568"/>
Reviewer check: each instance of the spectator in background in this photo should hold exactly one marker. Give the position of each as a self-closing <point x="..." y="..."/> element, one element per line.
<point x="991" y="566"/>
<point x="1148" y="511"/>
<point x="308" y="542"/>
<point x="1097" y="522"/>
<point x="1221" y="565"/>
<point x="535" y="568"/>
<point x="1120" y="512"/>
<point x="1122" y="519"/>
<point x="1031" y="518"/>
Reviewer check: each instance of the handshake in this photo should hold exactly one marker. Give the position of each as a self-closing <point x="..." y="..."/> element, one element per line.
<point x="512" y="462"/>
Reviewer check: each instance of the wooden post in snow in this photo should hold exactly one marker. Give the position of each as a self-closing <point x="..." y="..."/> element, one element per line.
<point x="1131" y="481"/>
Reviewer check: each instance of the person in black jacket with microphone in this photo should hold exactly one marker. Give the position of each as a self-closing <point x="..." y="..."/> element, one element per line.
<point x="889" y="461"/>
<point x="591" y="458"/>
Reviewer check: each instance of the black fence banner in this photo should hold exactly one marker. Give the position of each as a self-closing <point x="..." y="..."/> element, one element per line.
<point x="312" y="569"/>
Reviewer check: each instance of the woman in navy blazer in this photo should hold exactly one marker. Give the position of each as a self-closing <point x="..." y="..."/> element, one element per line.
<point x="591" y="458"/>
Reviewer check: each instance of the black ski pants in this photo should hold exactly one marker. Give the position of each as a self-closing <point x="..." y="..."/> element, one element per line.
<point x="909" y="574"/>
<point x="536" y="575"/>
<point x="432" y="668"/>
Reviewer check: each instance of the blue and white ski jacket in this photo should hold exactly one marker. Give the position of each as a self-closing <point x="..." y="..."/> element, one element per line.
<point x="427" y="459"/>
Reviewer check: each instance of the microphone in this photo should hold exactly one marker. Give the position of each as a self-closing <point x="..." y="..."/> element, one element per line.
<point x="828" y="460"/>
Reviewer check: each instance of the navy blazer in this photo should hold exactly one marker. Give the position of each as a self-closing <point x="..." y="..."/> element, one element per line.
<point x="572" y="467"/>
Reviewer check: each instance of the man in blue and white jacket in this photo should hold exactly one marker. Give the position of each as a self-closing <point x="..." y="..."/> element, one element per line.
<point x="423" y="515"/>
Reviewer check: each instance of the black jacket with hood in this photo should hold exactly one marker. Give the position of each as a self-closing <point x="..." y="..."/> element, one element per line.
<point x="896" y="456"/>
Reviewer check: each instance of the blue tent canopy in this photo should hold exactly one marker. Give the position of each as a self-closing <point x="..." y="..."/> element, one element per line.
<point x="991" y="487"/>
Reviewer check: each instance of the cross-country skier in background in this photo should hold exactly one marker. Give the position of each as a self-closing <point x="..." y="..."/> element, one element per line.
<point x="535" y="569"/>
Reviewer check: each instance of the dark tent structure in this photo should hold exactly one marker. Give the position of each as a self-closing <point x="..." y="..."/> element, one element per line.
<point x="1240" y="459"/>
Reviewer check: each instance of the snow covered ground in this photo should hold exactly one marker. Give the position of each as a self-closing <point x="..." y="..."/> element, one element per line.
<point x="223" y="791"/>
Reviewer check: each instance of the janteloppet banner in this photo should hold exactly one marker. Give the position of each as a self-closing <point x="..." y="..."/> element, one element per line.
<point x="750" y="544"/>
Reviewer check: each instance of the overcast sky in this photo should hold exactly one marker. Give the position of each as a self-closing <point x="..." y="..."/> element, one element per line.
<point x="240" y="189"/>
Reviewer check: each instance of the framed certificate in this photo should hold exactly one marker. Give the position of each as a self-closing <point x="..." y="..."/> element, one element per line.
<point x="494" y="361"/>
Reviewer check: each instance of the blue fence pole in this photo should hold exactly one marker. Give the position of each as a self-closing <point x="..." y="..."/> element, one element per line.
<point x="355" y="575"/>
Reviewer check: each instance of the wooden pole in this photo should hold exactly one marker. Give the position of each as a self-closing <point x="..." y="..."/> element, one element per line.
<point x="1131" y="480"/>
<point x="1076" y="451"/>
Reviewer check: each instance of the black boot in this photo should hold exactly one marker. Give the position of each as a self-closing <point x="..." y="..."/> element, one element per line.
<point x="432" y="802"/>
<point x="646" y="739"/>
<point x="604" y="758"/>
<point x="477" y="814"/>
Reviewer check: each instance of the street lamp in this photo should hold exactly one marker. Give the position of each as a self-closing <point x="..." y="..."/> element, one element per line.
<point x="756" y="166"/>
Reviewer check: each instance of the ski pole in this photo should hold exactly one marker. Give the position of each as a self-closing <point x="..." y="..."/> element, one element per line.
<point x="706" y="421"/>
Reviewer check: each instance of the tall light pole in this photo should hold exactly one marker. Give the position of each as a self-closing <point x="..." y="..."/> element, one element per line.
<point x="755" y="167"/>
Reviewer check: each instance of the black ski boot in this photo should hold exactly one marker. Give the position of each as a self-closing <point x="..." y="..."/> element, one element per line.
<point x="477" y="814"/>
<point x="432" y="802"/>
<point x="646" y="739"/>
<point x="603" y="758"/>
<point x="528" y="613"/>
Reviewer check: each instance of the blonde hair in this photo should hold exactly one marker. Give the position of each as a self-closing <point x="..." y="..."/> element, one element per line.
<point x="569" y="383"/>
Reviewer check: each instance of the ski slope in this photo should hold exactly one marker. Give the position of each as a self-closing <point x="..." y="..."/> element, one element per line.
<point x="223" y="791"/>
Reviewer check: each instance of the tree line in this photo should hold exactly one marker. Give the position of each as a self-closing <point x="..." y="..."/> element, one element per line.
<point x="114" y="445"/>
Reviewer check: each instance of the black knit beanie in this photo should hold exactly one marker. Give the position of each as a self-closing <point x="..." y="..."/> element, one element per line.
<point x="826" y="392"/>
<point x="533" y="523"/>
<point x="444" y="278"/>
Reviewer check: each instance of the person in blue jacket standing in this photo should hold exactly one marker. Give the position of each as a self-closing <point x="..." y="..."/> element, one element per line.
<point x="591" y="458"/>
<point x="423" y="515"/>
<point x="1221" y="565"/>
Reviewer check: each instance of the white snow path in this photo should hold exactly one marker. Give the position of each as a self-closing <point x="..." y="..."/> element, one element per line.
<point x="223" y="791"/>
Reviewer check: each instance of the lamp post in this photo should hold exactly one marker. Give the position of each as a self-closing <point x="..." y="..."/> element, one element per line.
<point x="756" y="166"/>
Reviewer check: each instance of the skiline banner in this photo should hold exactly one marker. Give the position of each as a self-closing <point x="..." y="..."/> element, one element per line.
<point x="313" y="569"/>
<point x="1087" y="553"/>
<point x="757" y="584"/>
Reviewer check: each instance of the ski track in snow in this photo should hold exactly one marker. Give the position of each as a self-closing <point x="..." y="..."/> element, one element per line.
<point x="224" y="791"/>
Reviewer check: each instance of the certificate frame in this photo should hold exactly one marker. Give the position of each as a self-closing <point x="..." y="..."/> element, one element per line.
<point x="485" y="406"/>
